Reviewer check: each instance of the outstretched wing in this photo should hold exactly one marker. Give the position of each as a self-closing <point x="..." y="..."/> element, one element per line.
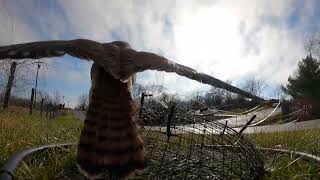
<point x="145" y="60"/>
<point x="134" y="61"/>
<point x="80" y="48"/>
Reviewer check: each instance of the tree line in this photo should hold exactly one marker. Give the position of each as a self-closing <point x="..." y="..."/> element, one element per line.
<point x="304" y="84"/>
<point x="19" y="77"/>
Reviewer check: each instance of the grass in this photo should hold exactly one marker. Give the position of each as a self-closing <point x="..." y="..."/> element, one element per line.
<point x="284" y="166"/>
<point x="19" y="130"/>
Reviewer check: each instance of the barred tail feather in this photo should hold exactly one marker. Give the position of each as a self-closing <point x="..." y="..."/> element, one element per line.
<point x="110" y="144"/>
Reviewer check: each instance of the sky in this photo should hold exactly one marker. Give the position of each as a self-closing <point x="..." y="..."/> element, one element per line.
<point x="230" y="40"/>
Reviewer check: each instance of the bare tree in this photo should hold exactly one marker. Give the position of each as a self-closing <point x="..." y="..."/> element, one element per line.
<point x="167" y="97"/>
<point x="313" y="45"/>
<point x="9" y="84"/>
<point x="255" y="85"/>
<point x="57" y="98"/>
<point x="4" y="75"/>
<point x="279" y="93"/>
<point x="47" y="98"/>
<point x="83" y="102"/>
<point x="137" y="90"/>
<point x="227" y="94"/>
<point x="22" y="81"/>
<point x="197" y="100"/>
<point x="214" y="96"/>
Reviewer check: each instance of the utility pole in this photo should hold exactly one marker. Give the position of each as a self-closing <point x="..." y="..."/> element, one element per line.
<point x="35" y="93"/>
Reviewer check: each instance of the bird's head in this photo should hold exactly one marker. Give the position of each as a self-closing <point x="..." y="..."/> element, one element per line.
<point x="118" y="60"/>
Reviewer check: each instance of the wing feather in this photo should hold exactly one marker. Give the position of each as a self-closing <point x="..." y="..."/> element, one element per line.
<point x="80" y="48"/>
<point x="150" y="61"/>
<point x="134" y="61"/>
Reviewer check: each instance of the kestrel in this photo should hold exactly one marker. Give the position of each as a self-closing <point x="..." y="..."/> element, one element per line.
<point x="110" y="142"/>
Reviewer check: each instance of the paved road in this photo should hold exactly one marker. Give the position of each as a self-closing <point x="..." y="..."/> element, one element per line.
<point x="294" y="126"/>
<point x="198" y="128"/>
<point x="241" y="120"/>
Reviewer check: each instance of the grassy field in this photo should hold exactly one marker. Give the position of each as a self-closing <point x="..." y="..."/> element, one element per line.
<point x="19" y="130"/>
<point x="287" y="166"/>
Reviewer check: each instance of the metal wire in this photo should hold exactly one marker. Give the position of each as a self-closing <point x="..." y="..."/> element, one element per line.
<point x="196" y="148"/>
<point x="181" y="145"/>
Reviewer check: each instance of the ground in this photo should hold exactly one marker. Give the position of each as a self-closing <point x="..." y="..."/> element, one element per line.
<point x="19" y="130"/>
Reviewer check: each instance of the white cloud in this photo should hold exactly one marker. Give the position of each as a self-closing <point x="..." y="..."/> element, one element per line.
<point x="225" y="38"/>
<point x="13" y="29"/>
<point x="68" y="70"/>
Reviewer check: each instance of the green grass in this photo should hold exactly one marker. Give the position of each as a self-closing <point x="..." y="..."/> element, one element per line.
<point x="304" y="140"/>
<point x="288" y="166"/>
<point x="19" y="130"/>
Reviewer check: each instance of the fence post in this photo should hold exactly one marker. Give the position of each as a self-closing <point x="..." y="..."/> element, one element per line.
<point x="9" y="85"/>
<point x="51" y="109"/>
<point x="54" y="109"/>
<point x="247" y="124"/>
<point x="170" y="117"/>
<point x="41" y="106"/>
<point x="31" y="100"/>
<point x="47" y="110"/>
<point x="141" y="105"/>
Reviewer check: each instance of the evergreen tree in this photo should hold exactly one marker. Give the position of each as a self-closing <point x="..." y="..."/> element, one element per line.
<point x="305" y="83"/>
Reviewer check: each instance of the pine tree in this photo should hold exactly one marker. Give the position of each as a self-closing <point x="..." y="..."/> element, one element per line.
<point x="305" y="83"/>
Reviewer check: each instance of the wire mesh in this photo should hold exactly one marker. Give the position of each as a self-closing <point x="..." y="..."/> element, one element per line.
<point x="192" y="147"/>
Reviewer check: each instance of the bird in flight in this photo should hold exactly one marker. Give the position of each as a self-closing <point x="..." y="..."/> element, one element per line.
<point x="110" y="143"/>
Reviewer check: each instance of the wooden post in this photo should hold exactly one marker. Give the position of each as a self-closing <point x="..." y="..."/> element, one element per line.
<point x="9" y="84"/>
<point x="41" y="106"/>
<point x="141" y="105"/>
<point x="247" y="124"/>
<point x="47" y="110"/>
<point x="51" y="109"/>
<point x="170" y="117"/>
<point x="142" y="102"/>
<point x="31" y="100"/>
